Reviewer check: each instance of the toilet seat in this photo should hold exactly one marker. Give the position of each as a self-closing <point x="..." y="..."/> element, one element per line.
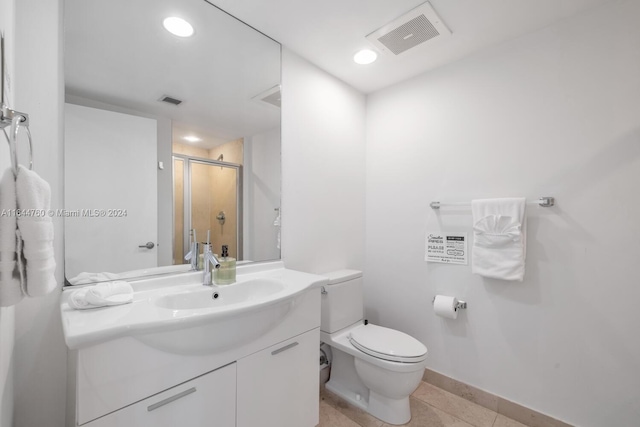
<point x="387" y="344"/>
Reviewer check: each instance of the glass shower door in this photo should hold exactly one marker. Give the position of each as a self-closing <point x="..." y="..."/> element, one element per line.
<point x="207" y="196"/>
<point x="178" y="211"/>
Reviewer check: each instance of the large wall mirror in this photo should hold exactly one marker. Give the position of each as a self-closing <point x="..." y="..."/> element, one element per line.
<point x="167" y="133"/>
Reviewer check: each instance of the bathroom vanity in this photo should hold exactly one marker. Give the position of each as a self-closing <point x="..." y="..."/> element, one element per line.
<point x="184" y="354"/>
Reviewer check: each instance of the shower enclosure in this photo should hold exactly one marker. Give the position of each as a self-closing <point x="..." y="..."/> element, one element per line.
<point x="207" y="196"/>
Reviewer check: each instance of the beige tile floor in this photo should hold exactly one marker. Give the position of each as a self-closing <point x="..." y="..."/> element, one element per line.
<point x="430" y="407"/>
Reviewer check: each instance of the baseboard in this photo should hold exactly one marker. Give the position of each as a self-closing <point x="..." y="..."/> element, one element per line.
<point x="509" y="409"/>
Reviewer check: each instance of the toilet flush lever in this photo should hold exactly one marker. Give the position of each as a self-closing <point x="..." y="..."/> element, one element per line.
<point x="323" y="291"/>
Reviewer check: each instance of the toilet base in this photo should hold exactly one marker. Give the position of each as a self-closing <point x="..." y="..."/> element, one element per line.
<point x="355" y="399"/>
<point x="391" y="411"/>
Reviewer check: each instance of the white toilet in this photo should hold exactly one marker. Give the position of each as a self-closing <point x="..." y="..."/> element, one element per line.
<point x="374" y="368"/>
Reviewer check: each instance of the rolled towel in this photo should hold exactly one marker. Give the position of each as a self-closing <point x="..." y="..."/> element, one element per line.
<point x="36" y="234"/>
<point x="101" y="295"/>
<point x="86" y="278"/>
<point x="110" y="293"/>
<point x="78" y="299"/>
<point x="10" y="286"/>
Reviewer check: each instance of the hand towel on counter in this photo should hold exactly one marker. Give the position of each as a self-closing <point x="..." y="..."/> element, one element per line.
<point x="499" y="231"/>
<point x="10" y="286"/>
<point x="86" y="278"/>
<point x="101" y="295"/>
<point x="35" y="234"/>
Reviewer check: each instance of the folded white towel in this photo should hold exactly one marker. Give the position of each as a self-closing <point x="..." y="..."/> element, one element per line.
<point x="35" y="233"/>
<point x="499" y="231"/>
<point x="10" y="286"/>
<point x="101" y="295"/>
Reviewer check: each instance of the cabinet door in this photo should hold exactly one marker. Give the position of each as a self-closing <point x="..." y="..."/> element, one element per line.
<point x="278" y="386"/>
<point x="206" y="401"/>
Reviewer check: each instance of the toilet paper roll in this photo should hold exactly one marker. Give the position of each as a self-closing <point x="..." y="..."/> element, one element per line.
<point x="446" y="306"/>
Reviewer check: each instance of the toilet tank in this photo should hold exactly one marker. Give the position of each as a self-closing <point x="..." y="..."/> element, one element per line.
<point x="342" y="304"/>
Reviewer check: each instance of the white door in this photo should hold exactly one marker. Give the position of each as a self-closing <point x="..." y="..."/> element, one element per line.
<point x="111" y="184"/>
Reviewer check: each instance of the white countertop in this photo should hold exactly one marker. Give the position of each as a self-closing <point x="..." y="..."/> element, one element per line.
<point x="83" y="328"/>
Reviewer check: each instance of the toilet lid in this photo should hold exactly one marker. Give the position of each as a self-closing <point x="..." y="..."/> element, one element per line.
<point x="388" y="344"/>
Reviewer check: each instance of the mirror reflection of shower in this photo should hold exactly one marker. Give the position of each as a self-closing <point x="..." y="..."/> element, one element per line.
<point x="207" y="184"/>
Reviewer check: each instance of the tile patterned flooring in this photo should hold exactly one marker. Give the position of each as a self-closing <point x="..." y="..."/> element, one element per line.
<point x="430" y="407"/>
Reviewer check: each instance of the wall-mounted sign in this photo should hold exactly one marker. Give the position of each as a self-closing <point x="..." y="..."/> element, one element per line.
<point x="447" y="248"/>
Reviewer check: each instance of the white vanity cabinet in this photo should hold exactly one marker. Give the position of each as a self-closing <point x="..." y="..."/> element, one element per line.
<point x="280" y="384"/>
<point x="136" y="380"/>
<point x="209" y="400"/>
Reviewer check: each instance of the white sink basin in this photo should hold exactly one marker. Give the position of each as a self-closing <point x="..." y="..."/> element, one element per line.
<point x="178" y="314"/>
<point x="221" y="296"/>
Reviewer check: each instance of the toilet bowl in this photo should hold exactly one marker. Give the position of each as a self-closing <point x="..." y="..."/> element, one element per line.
<point x="374" y="368"/>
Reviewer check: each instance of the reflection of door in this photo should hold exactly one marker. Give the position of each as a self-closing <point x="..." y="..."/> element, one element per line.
<point x="206" y="198"/>
<point x="111" y="183"/>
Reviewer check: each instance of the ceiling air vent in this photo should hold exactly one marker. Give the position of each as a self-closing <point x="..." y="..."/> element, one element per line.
<point x="170" y="100"/>
<point x="271" y="96"/>
<point x="415" y="28"/>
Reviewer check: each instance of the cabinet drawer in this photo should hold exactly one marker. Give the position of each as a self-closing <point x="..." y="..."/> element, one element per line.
<point x="278" y="386"/>
<point x="205" y="401"/>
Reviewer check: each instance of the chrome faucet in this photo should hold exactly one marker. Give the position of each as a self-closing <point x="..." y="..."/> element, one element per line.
<point x="209" y="260"/>
<point x="194" y="250"/>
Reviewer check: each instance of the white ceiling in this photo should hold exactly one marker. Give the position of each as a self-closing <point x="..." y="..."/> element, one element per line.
<point x="329" y="32"/>
<point x="129" y="61"/>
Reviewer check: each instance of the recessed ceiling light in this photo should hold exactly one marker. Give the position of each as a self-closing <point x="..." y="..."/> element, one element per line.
<point x="178" y="26"/>
<point x="365" y="56"/>
<point x="192" y="138"/>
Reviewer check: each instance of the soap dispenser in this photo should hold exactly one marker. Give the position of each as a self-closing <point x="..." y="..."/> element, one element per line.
<point x="226" y="274"/>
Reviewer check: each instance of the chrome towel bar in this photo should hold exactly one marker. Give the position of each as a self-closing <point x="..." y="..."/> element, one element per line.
<point x="544" y="202"/>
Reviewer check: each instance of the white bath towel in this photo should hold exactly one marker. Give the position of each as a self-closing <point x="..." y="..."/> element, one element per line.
<point x="499" y="231"/>
<point x="10" y="286"/>
<point x="35" y="233"/>
<point x="101" y="295"/>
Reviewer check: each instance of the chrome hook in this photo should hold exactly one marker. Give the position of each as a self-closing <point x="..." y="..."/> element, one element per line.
<point x="19" y="120"/>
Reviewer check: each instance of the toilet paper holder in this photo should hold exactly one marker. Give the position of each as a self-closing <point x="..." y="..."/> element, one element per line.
<point x="459" y="306"/>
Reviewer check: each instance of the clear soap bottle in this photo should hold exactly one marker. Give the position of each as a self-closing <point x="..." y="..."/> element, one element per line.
<point x="226" y="274"/>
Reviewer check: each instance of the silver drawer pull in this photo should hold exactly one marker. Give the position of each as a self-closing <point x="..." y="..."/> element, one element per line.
<point x="171" y="399"/>
<point x="285" y="348"/>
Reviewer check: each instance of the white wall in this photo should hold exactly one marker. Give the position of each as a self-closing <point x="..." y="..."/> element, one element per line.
<point x="165" y="193"/>
<point x="554" y="113"/>
<point x="7" y="339"/>
<point x="261" y="195"/>
<point x="322" y="169"/>
<point x="7" y="314"/>
<point x="40" y="352"/>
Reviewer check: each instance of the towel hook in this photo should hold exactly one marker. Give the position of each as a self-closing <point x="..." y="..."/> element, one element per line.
<point x="17" y="121"/>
